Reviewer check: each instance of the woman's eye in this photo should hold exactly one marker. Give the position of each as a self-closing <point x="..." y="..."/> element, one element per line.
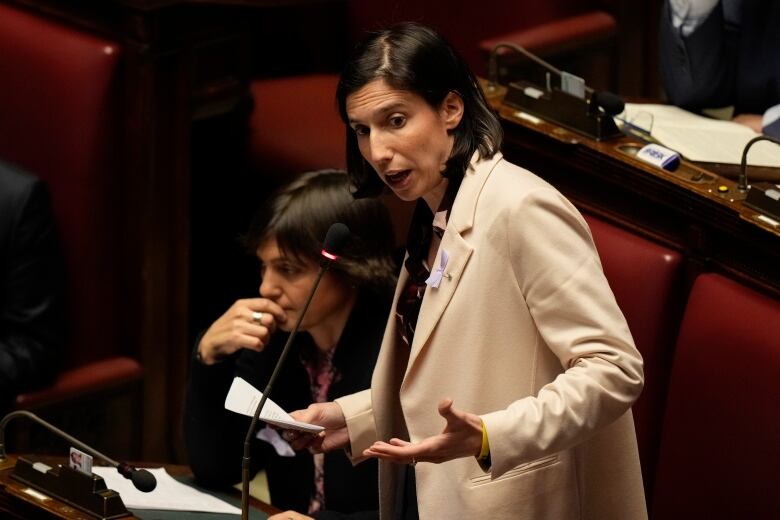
<point x="397" y="121"/>
<point x="290" y="270"/>
<point x="361" y="130"/>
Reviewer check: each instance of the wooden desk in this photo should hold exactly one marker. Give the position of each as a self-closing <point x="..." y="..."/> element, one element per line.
<point x="18" y="504"/>
<point x="682" y="209"/>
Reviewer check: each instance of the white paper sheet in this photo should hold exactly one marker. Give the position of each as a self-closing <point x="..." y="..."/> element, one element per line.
<point x="170" y="494"/>
<point x="243" y="398"/>
<point x="699" y="138"/>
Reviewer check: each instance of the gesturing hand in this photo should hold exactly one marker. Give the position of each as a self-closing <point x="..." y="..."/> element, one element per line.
<point x="461" y="437"/>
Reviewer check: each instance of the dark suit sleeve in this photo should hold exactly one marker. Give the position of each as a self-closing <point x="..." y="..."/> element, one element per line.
<point x="32" y="324"/>
<point x="773" y="130"/>
<point x="214" y="436"/>
<point x="699" y="71"/>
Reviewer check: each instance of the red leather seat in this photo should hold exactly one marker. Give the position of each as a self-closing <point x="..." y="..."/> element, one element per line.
<point x="720" y="450"/>
<point x="646" y="280"/>
<point x="583" y="44"/>
<point x="58" y="120"/>
<point x="295" y="125"/>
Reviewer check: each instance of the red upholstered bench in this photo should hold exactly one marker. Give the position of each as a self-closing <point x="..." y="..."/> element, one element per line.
<point x="720" y="449"/>
<point x="646" y="280"/>
<point x="58" y="120"/>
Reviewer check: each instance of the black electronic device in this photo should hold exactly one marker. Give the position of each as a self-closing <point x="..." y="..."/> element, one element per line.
<point x="570" y="104"/>
<point x="87" y="492"/>
<point x="762" y="197"/>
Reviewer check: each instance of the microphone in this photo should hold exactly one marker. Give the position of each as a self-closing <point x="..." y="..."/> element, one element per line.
<point x="335" y="239"/>
<point x="142" y="479"/>
<point x="611" y="103"/>
<point x="742" y="183"/>
<point x="763" y="197"/>
<point x="574" y="105"/>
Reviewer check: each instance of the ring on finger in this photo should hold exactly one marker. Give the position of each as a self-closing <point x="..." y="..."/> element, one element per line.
<point x="257" y="316"/>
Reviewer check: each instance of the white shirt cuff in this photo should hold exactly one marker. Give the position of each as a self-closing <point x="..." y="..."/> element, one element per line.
<point x="770" y="116"/>
<point x="687" y="15"/>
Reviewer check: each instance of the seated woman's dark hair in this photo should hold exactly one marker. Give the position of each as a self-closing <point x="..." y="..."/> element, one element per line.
<point x="417" y="59"/>
<point x="298" y="216"/>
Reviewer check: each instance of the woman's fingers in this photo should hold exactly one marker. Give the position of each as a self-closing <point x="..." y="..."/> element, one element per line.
<point x="265" y="306"/>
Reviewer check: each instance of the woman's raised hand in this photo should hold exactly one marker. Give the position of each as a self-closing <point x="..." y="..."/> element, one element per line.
<point x="248" y="323"/>
<point x="461" y="437"/>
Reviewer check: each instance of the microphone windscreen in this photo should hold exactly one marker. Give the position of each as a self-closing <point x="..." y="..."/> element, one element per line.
<point x="611" y="103"/>
<point x="335" y="238"/>
<point x="144" y="481"/>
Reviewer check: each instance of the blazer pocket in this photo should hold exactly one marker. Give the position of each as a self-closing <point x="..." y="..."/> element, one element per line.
<point x="522" y="469"/>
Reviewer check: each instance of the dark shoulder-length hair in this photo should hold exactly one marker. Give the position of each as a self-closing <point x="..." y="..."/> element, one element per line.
<point x="415" y="58"/>
<point x="299" y="215"/>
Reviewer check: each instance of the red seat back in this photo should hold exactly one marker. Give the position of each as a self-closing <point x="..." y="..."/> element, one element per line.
<point x="645" y="278"/>
<point x="295" y="125"/>
<point x="57" y="121"/>
<point x="720" y="450"/>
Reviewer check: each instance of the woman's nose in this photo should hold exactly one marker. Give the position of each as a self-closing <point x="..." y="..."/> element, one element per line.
<point x="381" y="151"/>
<point x="268" y="288"/>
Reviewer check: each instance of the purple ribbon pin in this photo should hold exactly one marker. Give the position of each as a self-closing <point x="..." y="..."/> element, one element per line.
<point x="434" y="280"/>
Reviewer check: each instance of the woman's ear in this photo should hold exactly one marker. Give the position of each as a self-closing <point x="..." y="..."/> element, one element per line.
<point x="452" y="110"/>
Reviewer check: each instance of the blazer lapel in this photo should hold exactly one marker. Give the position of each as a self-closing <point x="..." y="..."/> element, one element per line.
<point x="458" y="249"/>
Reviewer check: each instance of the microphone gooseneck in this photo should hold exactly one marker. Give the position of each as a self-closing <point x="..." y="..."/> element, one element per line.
<point x="142" y="479"/>
<point x="742" y="183"/>
<point x="337" y="236"/>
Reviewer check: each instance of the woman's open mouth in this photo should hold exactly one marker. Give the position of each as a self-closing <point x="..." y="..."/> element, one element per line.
<point x="397" y="179"/>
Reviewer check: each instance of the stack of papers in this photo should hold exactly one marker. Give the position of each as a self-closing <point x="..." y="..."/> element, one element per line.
<point x="699" y="138"/>
<point x="169" y="495"/>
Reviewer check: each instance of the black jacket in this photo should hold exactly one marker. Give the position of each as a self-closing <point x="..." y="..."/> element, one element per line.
<point x="32" y="323"/>
<point x="215" y="437"/>
<point x="723" y="63"/>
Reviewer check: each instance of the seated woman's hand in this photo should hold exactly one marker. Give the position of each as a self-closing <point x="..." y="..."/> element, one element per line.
<point x="753" y="121"/>
<point x="248" y="323"/>
<point x="461" y="437"/>
<point x="329" y="416"/>
<point x="289" y="515"/>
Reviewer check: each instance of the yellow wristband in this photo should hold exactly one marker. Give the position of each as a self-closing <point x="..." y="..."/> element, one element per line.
<point x="484" y="453"/>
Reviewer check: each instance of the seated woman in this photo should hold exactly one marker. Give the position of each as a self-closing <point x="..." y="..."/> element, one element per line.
<point x="333" y="354"/>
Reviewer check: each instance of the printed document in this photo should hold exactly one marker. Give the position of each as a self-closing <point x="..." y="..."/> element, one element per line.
<point x="701" y="139"/>
<point x="169" y="495"/>
<point x="243" y="398"/>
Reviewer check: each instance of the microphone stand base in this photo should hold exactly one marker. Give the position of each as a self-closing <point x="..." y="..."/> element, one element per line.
<point x="87" y="493"/>
<point x="763" y="198"/>
<point x="561" y="108"/>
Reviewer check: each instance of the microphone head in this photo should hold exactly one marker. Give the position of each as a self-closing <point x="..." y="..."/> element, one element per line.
<point x="611" y="103"/>
<point x="143" y="480"/>
<point x="335" y="239"/>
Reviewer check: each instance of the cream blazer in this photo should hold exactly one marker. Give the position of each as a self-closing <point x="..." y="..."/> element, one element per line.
<point x="524" y="331"/>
